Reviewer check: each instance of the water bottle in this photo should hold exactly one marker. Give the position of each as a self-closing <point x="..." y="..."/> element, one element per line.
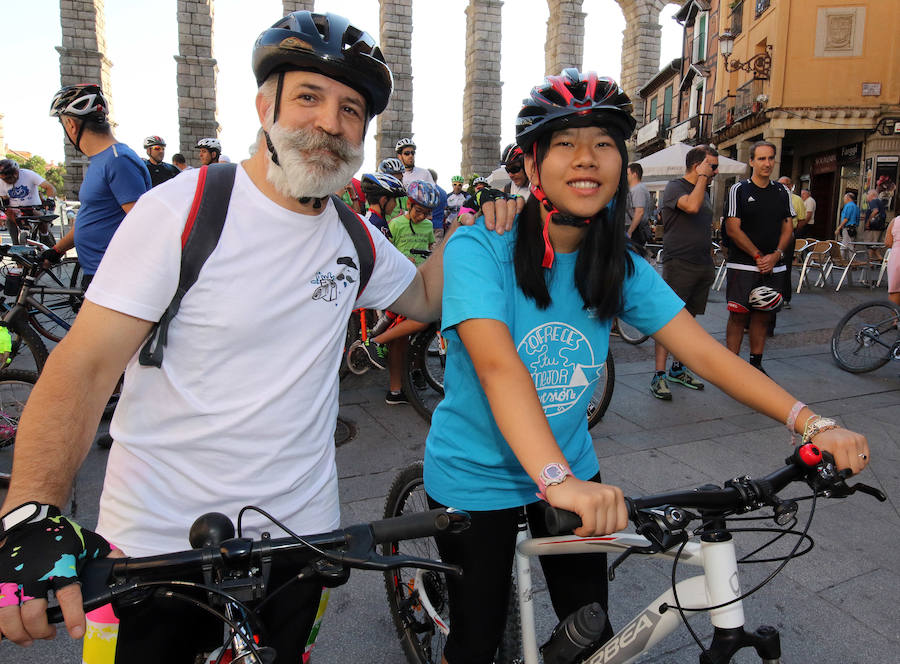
<point x="574" y="635"/>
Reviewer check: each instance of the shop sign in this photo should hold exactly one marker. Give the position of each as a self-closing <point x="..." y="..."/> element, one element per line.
<point x="850" y="153"/>
<point x="871" y="89"/>
<point x="824" y="163"/>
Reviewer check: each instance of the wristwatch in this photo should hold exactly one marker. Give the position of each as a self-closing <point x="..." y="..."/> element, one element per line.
<point x="24" y="514"/>
<point x="553" y="473"/>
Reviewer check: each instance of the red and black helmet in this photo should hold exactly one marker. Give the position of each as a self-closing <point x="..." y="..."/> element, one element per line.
<point x="329" y="45"/>
<point x="510" y="153"/>
<point x="573" y="99"/>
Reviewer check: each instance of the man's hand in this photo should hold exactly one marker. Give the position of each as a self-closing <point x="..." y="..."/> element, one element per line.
<point x="51" y="255"/>
<point x="36" y="558"/>
<point x="767" y="263"/>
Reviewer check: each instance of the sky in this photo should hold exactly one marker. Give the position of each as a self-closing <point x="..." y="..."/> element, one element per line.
<point x="142" y="40"/>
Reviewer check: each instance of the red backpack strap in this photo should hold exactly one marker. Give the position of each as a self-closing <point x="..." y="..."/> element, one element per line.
<point x="199" y="238"/>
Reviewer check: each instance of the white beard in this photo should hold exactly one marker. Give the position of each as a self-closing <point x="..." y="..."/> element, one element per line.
<point x="302" y="173"/>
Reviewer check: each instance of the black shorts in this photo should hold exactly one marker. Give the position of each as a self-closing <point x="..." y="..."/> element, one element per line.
<point x="478" y="601"/>
<point x="741" y="282"/>
<point x="690" y="281"/>
<point x="173" y="631"/>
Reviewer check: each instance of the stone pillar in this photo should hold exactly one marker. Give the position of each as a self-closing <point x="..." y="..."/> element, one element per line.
<point x="197" y="70"/>
<point x="565" y="36"/>
<point x="743" y="152"/>
<point x="291" y="6"/>
<point x="640" y="47"/>
<point x="481" y="100"/>
<point x="776" y="138"/>
<point x="82" y="59"/>
<point x="395" y="19"/>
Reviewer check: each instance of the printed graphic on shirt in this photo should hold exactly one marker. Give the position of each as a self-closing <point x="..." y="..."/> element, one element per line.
<point x="562" y="365"/>
<point x="331" y="284"/>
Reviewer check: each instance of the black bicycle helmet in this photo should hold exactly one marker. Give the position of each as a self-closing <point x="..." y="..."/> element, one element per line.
<point x="329" y="45"/>
<point x="84" y="100"/>
<point x="382" y="184"/>
<point x="560" y="100"/>
<point x="511" y="153"/>
<point x="9" y="167"/>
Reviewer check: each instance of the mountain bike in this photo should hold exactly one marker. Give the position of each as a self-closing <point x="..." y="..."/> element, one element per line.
<point x="33" y="231"/>
<point x="15" y="388"/>
<point x="423" y="376"/>
<point x="867" y="337"/>
<point x="356" y="358"/>
<point x="231" y="574"/>
<point x="419" y="604"/>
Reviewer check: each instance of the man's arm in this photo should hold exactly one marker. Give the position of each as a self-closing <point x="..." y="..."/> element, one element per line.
<point x="692" y="202"/>
<point x="636" y="220"/>
<point x="61" y="417"/>
<point x="48" y="189"/>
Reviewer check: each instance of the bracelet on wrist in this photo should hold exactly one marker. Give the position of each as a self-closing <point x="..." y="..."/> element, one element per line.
<point x="815" y="426"/>
<point x="792" y="420"/>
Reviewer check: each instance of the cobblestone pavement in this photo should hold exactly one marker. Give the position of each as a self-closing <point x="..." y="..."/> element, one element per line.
<point x="831" y="606"/>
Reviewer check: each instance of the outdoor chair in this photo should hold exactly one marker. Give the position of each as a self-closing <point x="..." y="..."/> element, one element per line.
<point x="844" y="257"/>
<point x="818" y="258"/>
<point x="800" y="246"/>
<point x="883" y="266"/>
<point x="719" y="259"/>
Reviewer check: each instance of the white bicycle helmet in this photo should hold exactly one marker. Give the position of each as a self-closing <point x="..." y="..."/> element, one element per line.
<point x="763" y="298"/>
<point x="480" y="180"/>
<point x="150" y="141"/>
<point x="391" y="166"/>
<point x="210" y="144"/>
<point x="404" y="143"/>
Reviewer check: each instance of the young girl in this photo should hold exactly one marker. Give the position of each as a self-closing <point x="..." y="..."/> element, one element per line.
<point x="527" y="317"/>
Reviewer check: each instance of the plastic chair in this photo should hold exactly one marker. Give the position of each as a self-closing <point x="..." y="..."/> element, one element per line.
<point x="818" y="257"/>
<point x="845" y="257"/>
<point x="719" y="260"/>
<point x="884" y="265"/>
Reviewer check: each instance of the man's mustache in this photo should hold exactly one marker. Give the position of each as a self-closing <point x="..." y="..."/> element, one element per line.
<point x="308" y="140"/>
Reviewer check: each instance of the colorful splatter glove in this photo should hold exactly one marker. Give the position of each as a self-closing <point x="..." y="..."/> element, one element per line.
<point x="44" y="555"/>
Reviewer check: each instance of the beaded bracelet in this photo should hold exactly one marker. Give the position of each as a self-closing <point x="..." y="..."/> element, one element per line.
<point x="815" y="427"/>
<point x="792" y="420"/>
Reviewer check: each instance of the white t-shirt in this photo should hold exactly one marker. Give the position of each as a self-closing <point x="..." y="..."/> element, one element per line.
<point x="24" y="193"/>
<point x="416" y="174"/>
<point x="243" y="409"/>
<point x="810" y="204"/>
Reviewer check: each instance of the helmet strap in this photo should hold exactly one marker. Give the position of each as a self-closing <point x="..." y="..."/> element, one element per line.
<point x="76" y="142"/>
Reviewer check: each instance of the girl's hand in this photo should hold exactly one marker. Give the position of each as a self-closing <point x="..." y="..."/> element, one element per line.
<point x="849" y="449"/>
<point x="600" y="506"/>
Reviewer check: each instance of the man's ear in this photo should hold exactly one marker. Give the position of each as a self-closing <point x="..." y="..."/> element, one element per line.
<point x="263" y="106"/>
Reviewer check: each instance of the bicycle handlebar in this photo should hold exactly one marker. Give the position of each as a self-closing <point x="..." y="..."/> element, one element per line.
<point x="741" y="494"/>
<point x="105" y="579"/>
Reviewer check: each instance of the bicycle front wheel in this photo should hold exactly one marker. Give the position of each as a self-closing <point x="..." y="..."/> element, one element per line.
<point x="630" y="334"/>
<point x="866" y="337"/>
<point x="28" y="351"/>
<point x="64" y="274"/>
<point x="15" y="388"/>
<point x="422" y="639"/>
<point x="423" y="377"/>
<point x="602" y="393"/>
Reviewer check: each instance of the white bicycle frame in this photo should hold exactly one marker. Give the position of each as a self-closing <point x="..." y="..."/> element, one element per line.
<point x="718" y="584"/>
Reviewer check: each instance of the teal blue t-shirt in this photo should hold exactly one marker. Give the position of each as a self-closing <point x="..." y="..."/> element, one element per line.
<point x="468" y="463"/>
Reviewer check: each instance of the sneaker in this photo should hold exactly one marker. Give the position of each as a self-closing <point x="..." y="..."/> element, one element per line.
<point x="760" y="368"/>
<point x="659" y="387"/>
<point x="396" y="398"/>
<point x="418" y="379"/>
<point x="787" y="305"/>
<point x="377" y="354"/>
<point x="686" y="378"/>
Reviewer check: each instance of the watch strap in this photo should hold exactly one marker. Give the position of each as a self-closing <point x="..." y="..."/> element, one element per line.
<point x="24" y="514"/>
<point x="552" y="473"/>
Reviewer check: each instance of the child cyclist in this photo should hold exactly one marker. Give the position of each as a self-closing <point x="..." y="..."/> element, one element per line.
<point x="527" y="318"/>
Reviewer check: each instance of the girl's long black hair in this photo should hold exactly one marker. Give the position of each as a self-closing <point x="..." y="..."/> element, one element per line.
<point x="603" y="257"/>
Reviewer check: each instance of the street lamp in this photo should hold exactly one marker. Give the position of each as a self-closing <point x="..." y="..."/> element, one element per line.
<point x="760" y="64"/>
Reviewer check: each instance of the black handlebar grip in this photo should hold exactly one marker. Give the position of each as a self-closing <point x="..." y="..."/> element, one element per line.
<point x="419" y="524"/>
<point x="560" y="521"/>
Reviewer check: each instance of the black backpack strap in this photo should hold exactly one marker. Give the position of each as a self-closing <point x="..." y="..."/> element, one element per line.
<point x="202" y="230"/>
<point x="362" y="241"/>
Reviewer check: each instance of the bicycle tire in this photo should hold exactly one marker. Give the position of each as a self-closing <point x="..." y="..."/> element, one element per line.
<point x="630" y="334"/>
<point x="865" y="338"/>
<point x="62" y="275"/>
<point x="423" y="375"/>
<point x="602" y="393"/>
<point x="15" y="388"/>
<point x="353" y="333"/>
<point x="422" y="643"/>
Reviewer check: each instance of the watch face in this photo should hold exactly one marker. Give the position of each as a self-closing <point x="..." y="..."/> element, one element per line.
<point x="554" y="472"/>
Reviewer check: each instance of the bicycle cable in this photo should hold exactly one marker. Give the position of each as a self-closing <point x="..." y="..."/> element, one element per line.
<point x="786" y="559"/>
<point x="321" y="552"/>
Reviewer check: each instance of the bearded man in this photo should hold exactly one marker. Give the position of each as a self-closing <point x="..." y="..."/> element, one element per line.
<point x="243" y="410"/>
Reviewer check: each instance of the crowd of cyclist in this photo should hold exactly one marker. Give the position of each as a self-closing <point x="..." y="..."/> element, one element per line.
<point x="519" y="309"/>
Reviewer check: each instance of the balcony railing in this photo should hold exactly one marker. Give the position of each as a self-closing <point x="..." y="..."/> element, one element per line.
<point x="653" y="130"/>
<point x="723" y="114"/>
<point x="761" y="6"/>
<point x="694" y="130"/>
<point x="743" y="102"/>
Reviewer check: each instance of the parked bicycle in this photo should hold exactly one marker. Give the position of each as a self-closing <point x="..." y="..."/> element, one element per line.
<point x="867" y="337"/>
<point x="231" y="573"/>
<point x="34" y="222"/>
<point x="418" y="599"/>
<point x="357" y="359"/>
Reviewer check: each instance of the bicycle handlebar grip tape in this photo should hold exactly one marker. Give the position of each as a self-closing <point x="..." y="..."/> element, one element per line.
<point x="418" y="524"/>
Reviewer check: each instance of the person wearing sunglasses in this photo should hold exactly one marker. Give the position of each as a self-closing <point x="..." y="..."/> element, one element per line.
<point x="406" y="153"/>
<point x="687" y="260"/>
<point x="513" y="161"/>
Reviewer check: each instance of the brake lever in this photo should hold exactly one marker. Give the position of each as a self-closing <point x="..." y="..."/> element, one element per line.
<point x="659" y="539"/>
<point x="360" y="553"/>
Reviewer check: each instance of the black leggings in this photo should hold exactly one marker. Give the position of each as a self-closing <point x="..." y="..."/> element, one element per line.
<point x="174" y="631"/>
<point x="478" y="601"/>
